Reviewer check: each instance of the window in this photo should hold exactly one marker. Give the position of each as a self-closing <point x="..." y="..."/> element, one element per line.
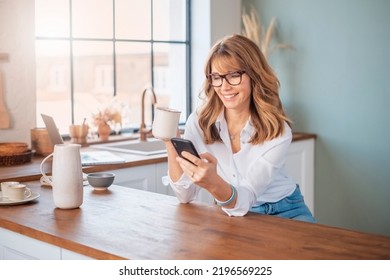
<point x="96" y="54"/>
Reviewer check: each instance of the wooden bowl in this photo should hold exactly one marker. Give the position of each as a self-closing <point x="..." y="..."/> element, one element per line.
<point x="13" y="148"/>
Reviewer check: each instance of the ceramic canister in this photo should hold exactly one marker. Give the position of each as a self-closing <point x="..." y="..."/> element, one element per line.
<point x="67" y="176"/>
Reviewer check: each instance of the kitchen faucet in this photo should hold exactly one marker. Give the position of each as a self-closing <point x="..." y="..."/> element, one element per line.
<point x="142" y="130"/>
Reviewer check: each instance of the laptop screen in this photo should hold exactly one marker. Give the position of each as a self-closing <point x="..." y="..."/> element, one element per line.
<point x="52" y="130"/>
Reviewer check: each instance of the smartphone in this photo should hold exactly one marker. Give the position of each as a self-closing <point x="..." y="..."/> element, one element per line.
<point x="181" y="145"/>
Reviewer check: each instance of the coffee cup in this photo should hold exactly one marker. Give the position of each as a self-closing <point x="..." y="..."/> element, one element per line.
<point x="4" y="187"/>
<point x="165" y="123"/>
<point x="18" y="192"/>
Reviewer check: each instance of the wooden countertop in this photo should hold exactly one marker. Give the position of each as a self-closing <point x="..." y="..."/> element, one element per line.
<point x="30" y="171"/>
<point x="125" y="223"/>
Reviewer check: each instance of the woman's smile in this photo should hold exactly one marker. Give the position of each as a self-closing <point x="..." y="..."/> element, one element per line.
<point x="229" y="96"/>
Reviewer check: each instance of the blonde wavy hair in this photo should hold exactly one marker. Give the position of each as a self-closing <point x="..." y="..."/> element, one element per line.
<point x="266" y="110"/>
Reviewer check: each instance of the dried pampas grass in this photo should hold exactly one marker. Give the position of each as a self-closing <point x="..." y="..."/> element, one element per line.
<point x="254" y="30"/>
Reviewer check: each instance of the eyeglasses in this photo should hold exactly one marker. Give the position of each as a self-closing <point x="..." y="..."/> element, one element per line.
<point x="233" y="78"/>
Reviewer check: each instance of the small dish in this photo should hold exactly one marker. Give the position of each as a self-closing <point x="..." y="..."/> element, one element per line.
<point x="101" y="180"/>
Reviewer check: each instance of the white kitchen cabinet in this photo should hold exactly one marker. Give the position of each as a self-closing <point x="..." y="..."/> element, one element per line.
<point x="300" y="165"/>
<point x="15" y="246"/>
<point x="145" y="177"/>
<point x="139" y="177"/>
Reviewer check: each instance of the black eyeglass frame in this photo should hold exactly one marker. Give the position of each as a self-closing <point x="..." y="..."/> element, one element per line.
<point x="240" y="72"/>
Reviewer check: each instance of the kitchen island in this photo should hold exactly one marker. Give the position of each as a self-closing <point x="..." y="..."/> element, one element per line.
<point x="124" y="223"/>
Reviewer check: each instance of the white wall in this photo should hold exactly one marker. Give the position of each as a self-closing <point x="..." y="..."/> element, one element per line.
<point x="211" y="20"/>
<point x="335" y="83"/>
<point x="17" y="40"/>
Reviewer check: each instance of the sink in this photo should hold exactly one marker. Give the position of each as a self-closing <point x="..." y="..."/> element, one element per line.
<point x="150" y="147"/>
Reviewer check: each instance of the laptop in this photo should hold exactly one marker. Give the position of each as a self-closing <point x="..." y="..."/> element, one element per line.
<point x="87" y="158"/>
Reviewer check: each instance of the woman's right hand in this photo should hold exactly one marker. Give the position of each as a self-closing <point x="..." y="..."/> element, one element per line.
<point x="202" y="171"/>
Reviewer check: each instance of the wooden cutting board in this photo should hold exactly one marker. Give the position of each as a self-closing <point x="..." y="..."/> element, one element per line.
<point x="4" y="117"/>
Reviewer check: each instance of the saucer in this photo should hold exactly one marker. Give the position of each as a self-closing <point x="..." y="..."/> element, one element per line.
<point x="6" y="201"/>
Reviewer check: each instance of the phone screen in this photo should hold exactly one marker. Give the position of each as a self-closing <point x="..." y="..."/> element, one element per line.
<point x="184" y="145"/>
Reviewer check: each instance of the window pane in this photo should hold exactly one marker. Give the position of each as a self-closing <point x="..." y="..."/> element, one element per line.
<point x="169" y="20"/>
<point x="92" y="19"/>
<point x="170" y="76"/>
<point x="133" y="75"/>
<point x="93" y="77"/>
<point x="52" y="18"/>
<point x="53" y="82"/>
<point x="133" y="19"/>
<point x="107" y="64"/>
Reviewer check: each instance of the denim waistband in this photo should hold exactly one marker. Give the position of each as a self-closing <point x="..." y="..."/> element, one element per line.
<point x="291" y="205"/>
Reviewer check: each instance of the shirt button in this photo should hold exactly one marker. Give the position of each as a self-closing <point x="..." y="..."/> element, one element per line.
<point x="234" y="175"/>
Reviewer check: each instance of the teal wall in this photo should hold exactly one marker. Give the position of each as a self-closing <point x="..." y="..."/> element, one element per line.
<point x="336" y="83"/>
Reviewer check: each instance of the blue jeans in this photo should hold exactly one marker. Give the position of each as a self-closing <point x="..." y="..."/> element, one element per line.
<point x="291" y="207"/>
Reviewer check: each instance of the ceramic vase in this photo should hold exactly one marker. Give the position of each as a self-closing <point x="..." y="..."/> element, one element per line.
<point x="104" y="131"/>
<point x="67" y="176"/>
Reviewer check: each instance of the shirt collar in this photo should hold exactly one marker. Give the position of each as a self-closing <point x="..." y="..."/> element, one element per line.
<point x="248" y="129"/>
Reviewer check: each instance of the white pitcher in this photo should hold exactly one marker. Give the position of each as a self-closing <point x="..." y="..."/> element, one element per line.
<point x="67" y="176"/>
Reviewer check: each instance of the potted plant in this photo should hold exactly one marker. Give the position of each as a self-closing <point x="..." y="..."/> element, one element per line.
<point x="254" y="30"/>
<point x="103" y="120"/>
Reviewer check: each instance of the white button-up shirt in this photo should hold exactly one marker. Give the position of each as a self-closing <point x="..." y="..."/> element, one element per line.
<point x="257" y="171"/>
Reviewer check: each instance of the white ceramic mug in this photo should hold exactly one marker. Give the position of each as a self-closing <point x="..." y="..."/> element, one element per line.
<point x="4" y="187"/>
<point x="18" y="192"/>
<point x="67" y="176"/>
<point x="165" y="123"/>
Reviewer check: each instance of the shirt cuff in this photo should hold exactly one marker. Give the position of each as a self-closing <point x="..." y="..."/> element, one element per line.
<point x="184" y="189"/>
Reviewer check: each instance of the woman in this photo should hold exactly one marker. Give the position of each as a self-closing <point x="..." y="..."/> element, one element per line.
<point x="242" y="134"/>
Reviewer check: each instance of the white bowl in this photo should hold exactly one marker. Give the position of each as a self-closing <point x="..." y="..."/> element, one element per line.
<point x="100" y="180"/>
